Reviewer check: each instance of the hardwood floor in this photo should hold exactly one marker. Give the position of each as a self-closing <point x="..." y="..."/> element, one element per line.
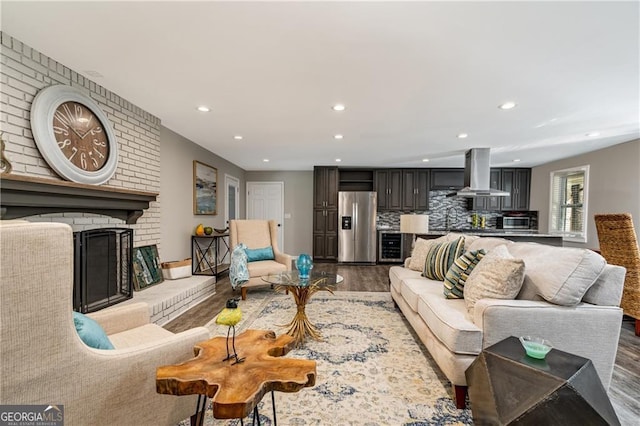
<point x="625" y="385"/>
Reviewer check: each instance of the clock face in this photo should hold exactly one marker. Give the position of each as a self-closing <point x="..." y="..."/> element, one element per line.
<point x="80" y="136"/>
<point x="74" y="135"/>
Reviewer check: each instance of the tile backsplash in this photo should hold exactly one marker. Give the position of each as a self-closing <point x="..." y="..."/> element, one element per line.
<point x="439" y="206"/>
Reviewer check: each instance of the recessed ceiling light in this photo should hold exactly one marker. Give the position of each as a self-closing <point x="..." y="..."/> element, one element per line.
<point x="338" y="160"/>
<point x="507" y="105"/>
<point x="593" y="134"/>
<point x="203" y="108"/>
<point x="462" y="135"/>
<point x="266" y="160"/>
<point x="516" y="160"/>
<point x="237" y="137"/>
<point x="338" y="107"/>
<point x="338" y="136"/>
<point x="425" y="160"/>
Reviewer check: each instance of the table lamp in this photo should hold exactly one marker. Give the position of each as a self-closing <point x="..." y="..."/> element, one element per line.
<point x="414" y="224"/>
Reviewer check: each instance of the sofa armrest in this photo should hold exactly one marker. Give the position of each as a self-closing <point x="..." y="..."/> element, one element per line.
<point x="590" y="331"/>
<point x="407" y="261"/>
<point x="121" y="318"/>
<point x="284" y="259"/>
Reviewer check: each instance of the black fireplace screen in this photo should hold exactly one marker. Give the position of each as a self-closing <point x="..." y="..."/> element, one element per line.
<point x="102" y="268"/>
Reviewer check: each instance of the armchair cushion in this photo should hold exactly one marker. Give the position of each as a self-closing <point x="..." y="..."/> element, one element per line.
<point x="90" y="332"/>
<point x="254" y="255"/>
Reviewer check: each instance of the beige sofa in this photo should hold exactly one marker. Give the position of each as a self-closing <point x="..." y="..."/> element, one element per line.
<point x="256" y="234"/>
<point x="588" y="324"/>
<point x="43" y="360"/>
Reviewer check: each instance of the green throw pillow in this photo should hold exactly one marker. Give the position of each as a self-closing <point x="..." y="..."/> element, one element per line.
<point x="440" y="258"/>
<point x="459" y="272"/>
<point x="91" y="333"/>
<point x="254" y="255"/>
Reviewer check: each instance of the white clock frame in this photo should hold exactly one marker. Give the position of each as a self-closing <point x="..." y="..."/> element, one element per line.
<point x="42" y="111"/>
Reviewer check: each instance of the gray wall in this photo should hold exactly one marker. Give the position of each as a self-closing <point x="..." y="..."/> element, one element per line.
<point x="614" y="186"/>
<point x="177" y="221"/>
<point x="298" y="202"/>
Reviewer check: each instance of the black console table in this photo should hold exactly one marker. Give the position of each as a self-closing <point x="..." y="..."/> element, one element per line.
<point x="508" y="387"/>
<point x="208" y="253"/>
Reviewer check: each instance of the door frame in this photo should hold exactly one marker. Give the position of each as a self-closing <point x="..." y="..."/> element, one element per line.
<point x="235" y="182"/>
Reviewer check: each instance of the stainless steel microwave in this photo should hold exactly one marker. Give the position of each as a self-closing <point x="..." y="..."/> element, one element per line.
<point x="513" y="222"/>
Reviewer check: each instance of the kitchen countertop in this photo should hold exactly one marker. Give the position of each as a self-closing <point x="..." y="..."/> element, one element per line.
<point x="494" y="232"/>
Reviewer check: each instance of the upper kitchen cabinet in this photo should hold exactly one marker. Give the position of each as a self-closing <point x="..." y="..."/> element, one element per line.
<point x="447" y="178"/>
<point x="388" y="185"/>
<point x="488" y="203"/>
<point x="415" y="189"/>
<point x="517" y="183"/>
<point x="356" y="180"/>
<point x="325" y="183"/>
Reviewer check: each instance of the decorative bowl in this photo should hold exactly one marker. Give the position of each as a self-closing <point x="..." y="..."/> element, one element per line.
<point x="536" y="347"/>
<point x="220" y="231"/>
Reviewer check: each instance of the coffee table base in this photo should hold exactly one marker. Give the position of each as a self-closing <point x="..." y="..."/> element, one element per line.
<point x="201" y="408"/>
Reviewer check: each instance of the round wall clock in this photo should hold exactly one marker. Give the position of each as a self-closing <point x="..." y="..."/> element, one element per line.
<point x="74" y="135"/>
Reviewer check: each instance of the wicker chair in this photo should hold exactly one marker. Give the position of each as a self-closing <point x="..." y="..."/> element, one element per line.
<point x="619" y="246"/>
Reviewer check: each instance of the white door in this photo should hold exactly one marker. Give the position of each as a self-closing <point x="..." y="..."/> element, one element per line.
<point x="265" y="200"/>
<point x="232" y="206"/>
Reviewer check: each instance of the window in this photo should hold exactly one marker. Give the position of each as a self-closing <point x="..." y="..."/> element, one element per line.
<point x="568" y="204"/>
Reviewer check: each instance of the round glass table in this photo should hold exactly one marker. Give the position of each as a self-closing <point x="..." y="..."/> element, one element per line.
<point x="302" y="289"/>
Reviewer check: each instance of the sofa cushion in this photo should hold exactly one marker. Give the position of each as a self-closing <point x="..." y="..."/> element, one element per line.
<point x="412" y="288"/>
<point x="440" y="258"/>
<point x="574" y="271"/>
<point x="264" y="267"/>
<point x="397" y="274"/>
<point x="497" y="276"/>
<point x="459" y="272"/>
<point x="144" y="335"/>
<point x="486" y="243"/>
<point x="448" y="321"/>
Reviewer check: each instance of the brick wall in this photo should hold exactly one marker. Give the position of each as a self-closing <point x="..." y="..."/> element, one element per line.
<point x="23" y="73"/>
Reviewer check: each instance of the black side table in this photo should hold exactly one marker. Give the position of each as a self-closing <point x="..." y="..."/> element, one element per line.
<point x="506" y="386"/>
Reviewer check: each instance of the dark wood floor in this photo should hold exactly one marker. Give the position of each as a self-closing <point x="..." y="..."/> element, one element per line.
<point x="625" y="386"/>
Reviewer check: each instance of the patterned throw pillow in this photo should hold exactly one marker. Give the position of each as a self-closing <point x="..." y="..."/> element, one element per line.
<point x="459" y="272"/>
<point x="440" y="258"/>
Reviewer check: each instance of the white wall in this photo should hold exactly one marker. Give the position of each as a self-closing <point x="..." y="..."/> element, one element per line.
<point x="614" y="186"/>
<point x="177" y="221"/>
<point x="298" y="202"/>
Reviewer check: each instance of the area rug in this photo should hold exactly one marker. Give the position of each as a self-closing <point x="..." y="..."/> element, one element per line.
<point x="371" y="369"/>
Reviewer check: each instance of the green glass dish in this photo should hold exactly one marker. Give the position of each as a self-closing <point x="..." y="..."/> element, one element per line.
<point x="536" y="347"/>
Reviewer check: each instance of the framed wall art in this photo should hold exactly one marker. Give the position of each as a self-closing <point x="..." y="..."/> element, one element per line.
<point x="205" y="181"/>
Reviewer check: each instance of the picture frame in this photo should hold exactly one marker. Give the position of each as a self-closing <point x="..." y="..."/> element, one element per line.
<point x="205" y="184"/>
<point x="205" y="259"/>
<point x="146" y="267"/>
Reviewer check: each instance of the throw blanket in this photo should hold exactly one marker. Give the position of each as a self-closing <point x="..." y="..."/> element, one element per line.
<point x="238" y="271"/>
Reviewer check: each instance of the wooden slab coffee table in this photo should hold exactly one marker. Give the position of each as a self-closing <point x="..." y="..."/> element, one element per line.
<point x="236" y="389"/>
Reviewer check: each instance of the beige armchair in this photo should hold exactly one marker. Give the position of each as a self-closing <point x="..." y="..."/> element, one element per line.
<point x="43" y="361"/>
<point x="258" y="234"/>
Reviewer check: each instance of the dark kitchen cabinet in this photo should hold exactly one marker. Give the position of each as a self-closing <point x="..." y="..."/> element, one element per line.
<point x="325" y="183"/>
<point x="488" y="203"/>
<point x="325" y="213"/>
<point x="447" y="179"/>
<point x="517" y="182"/>
<point x="415" y="189"/>
<point x="388" y="185"/>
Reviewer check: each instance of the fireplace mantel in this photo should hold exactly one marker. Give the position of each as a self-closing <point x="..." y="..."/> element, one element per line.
<point x="22" y="196"/>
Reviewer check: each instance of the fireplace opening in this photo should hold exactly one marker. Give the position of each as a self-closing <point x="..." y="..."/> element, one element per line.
<point x="102" y="268"/>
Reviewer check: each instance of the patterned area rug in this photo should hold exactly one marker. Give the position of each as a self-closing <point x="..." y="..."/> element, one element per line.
<point x="371" y="370"/>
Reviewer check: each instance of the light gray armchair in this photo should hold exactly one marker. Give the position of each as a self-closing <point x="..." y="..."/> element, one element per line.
<point x="43" y="361"/>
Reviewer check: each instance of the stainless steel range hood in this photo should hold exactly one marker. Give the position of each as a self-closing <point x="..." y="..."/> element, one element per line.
<point x="477" y="169"/>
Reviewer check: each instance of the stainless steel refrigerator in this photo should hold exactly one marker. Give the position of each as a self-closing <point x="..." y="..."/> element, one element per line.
<point x="357" y="226"/>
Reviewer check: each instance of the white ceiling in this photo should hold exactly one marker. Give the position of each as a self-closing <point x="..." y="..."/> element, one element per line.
<point x="412" y="75"/>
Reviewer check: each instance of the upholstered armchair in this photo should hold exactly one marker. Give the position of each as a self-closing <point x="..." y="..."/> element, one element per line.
<point x="619" y="246"/>
<point x="257" y="234"/>
<point x="43" y="360"/>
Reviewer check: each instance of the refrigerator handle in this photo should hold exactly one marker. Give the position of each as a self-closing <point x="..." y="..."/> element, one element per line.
<point x="355" y="218"/>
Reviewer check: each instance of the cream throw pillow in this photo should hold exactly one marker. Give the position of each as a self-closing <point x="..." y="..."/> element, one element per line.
<point x="497" y="276"/>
